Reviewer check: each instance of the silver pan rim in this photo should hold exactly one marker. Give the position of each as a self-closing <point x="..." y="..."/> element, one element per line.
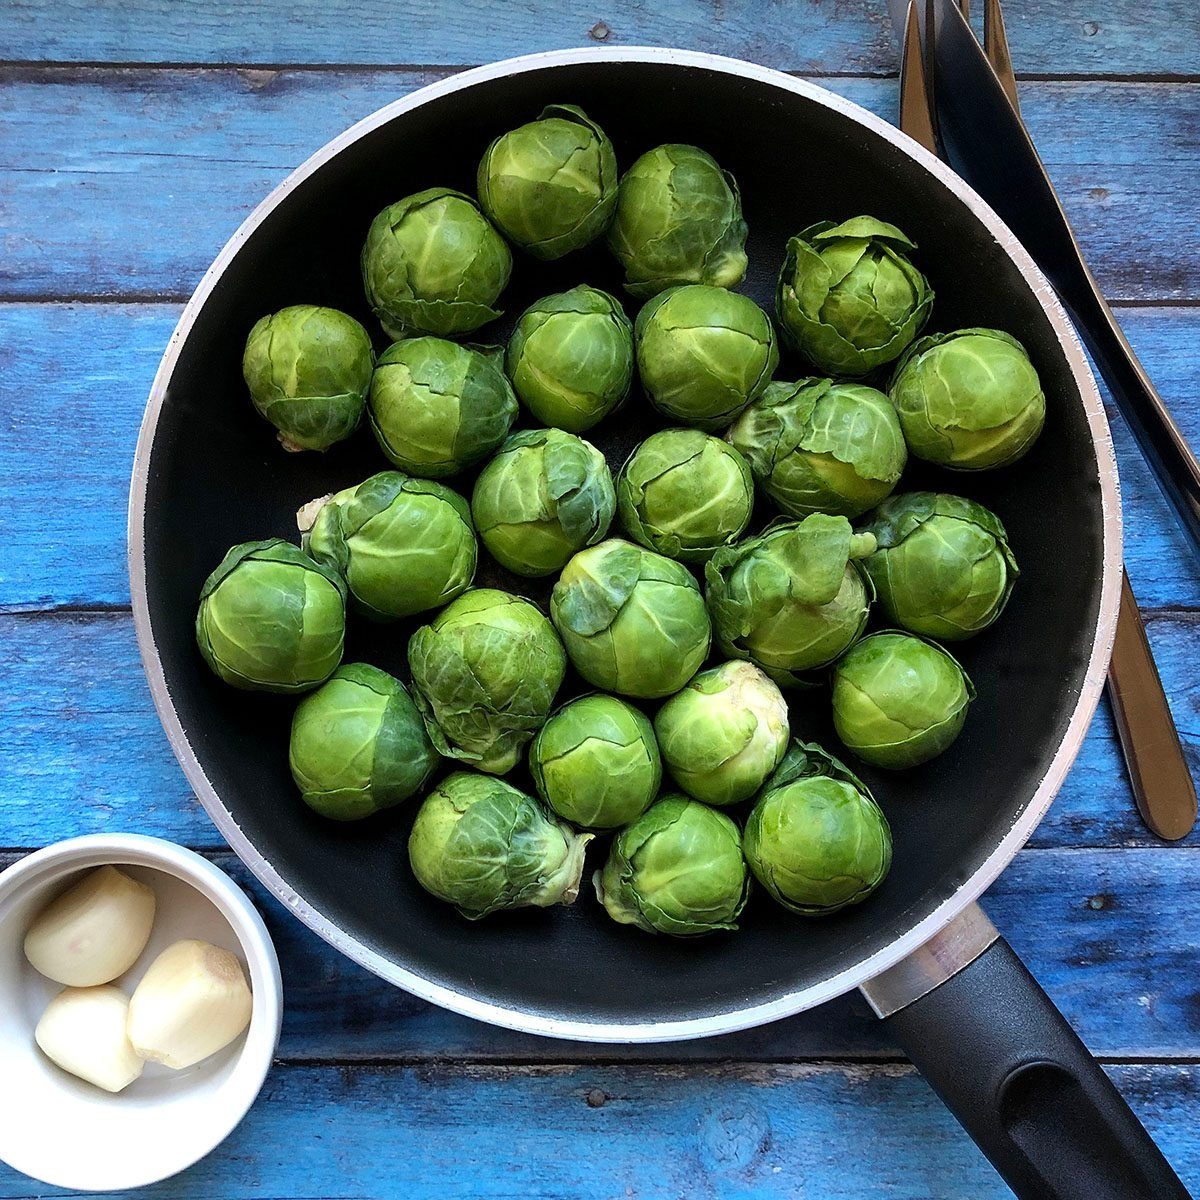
<point x="543" y="1023"/>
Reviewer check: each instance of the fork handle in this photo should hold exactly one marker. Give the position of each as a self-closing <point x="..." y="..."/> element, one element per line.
<point x="1162" y="444"/>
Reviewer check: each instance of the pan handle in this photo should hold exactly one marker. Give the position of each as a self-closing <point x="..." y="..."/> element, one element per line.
<point x="991" y="1043"/>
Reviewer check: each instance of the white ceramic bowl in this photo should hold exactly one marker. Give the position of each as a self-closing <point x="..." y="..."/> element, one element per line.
<point x="68" y="1133"/>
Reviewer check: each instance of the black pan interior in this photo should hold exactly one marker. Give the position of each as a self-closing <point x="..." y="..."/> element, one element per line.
<point x="217" y="476"/>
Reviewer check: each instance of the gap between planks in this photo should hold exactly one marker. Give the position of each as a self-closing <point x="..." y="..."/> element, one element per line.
<point x="444" y="70"/>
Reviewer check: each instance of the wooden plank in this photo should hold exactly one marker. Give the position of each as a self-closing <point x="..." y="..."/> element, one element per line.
<point x="1050" y="36"/>
<point x="181" y="157"/>
<point x="1108" y="933"/>
<point x="76" y="420"/>
<point x="79" y="727"/>
<point x="642" y="1133"/>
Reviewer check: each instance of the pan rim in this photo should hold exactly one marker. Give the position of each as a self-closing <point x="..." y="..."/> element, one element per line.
<point x="817" y="992"/>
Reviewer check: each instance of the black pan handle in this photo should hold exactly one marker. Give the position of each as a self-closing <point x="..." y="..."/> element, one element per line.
<point x="991" y="1043"/>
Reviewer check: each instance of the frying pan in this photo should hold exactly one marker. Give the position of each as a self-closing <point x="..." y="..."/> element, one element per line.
<point x="208" y="473"/>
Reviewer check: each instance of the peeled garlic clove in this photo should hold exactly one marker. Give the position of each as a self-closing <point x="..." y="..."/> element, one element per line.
<point x="193" y="1001"/>
<point x="83" y="1031"/>
<point x="94" y="931"/>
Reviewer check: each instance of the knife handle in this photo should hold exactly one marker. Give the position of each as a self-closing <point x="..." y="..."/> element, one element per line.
<point x="1162" y="444"/>
<point x="1158" y="771"/>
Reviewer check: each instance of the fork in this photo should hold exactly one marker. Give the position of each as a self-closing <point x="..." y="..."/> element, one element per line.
<point x="1158" y="771"/>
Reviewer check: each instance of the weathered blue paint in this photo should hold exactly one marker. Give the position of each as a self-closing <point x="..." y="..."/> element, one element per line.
<point x="631" y="1132"/>
<point x="1048" y="36"/>
<point x="1071" y="914"/>
<point x="120" y="183"/>
<point x="183" y="156"/>
<point x="76" y="379"/>
<point x="83" y="751"/>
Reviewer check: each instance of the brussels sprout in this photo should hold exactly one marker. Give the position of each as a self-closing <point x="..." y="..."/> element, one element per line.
<point x="486" y="670"/>
<point x="550" y="186"/>
<point x="481" y="845"/>
<point x="270" y="619"/>
<point x="402" y="545"/>
<point x="308" y="370"/>
<point x="546" y="495"/>
<point x="677" y="869"/>
<point x="437" y="407"/>
<point x="684" y="494"/>
<point x="678" y="220"/>
<point x="570" y="358"/>
<point x="724" y="733"/>
<point x="632" y="621"/>
<point x="359" y="744"/>
<point x="595" y="762"/>
<point x="433" y="264"/>
<point x="819" y="446"/>
<point x="848" y="298"/>
<point x="704" y="353"/>
<point x="898" y="700"/>
<point x="816" y="839"/>
<point x="969" y="400"/>
<point x="943" y="567"/>
<point x="791" y="599"/>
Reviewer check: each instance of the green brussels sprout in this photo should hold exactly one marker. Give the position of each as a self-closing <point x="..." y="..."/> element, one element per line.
<point x="633" y="622"/>
<point x="685" y="493"/>
<point x="819" y="446"/>
<point x="550" y="186"/>
<point x="595" y="762"/>
<point x="724" y="733"/>
<point x="480" y="844"/>
<point x="544" y="496"/>
<point x="816" y="839"/>
<point x="432" y="263"/>
<point x="678" y="220"/>
<point x="308" y="370"/>
<point x="570" y="358"/>
<point x="942" y="567"/>
<point x="970" y="400"/>
<point x="271" y="619"/>
<point x="486" y="670"/>
<point x="677" y="869"/>
<point x="848" y="298"/>
<point x="437" y="407"/>
<point x="402" y="545"/>
<point x="791" y="599"/>
<point x="359" y="745"/>
<point x="704" y="353"/>
<point x="899" y="700"/>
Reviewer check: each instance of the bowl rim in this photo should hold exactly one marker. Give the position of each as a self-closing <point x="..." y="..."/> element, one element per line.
<point x="223" y="893"/>
<point x="735" y="1017"/>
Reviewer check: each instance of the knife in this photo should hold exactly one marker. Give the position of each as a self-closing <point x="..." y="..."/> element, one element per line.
<point x="1158" y="770"/>
<point x="973" y="110"/>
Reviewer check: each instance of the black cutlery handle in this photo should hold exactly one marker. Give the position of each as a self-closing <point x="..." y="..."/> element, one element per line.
<point x="1162" y="444"/>
<point x="1014" y="1073"/>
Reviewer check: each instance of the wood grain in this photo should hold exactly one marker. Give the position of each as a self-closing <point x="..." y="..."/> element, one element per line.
<point x="181" y="157"/>
<point x="83" y="751"/>
<point x="1108" y="933"/>
<point x="122" y="184"/>
<point x="728" y="1131"/>
<point x="852" y="36"/>
<point x="77" y="376"/>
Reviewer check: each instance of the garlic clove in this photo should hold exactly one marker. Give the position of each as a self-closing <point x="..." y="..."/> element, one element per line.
<point x="94" y="931"/>
<point x="83" y="1031"/>
<point x="193" y="1001"/>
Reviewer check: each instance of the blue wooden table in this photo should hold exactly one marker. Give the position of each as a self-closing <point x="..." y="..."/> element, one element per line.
<point x="135" y="136"/>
